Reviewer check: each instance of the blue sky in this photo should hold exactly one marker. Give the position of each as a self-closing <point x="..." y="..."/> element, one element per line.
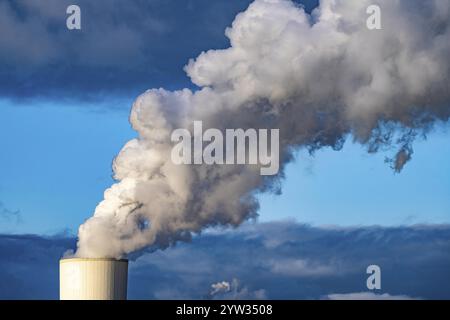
<point x="56" y="163"/>
<point x="63" y="119"/>
<point x="352" y="187"/>
<point x="64" y="107"/>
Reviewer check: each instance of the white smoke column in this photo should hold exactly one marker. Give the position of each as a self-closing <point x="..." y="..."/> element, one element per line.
<point x="219" y="287"/>
<point x="234" y="291"/>
<point x="319" y="78"/>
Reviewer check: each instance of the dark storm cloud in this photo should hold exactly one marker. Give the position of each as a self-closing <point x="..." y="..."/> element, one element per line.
<point x="269" y="260"/>
<point x="124" y="47"/>
<point x="29" y="266"/>
<point x="292" y="261"/>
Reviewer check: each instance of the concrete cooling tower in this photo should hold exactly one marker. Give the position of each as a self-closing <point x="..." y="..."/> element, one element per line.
<point x="93" y="279"/>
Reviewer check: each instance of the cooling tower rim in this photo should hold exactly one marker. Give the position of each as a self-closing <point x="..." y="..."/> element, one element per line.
<point x="91" y="259"/>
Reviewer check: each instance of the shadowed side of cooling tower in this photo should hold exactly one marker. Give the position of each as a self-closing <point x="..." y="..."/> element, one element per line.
<point x="93" y="279"/>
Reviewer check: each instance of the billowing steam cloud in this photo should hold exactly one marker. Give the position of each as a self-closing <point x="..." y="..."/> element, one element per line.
<point x="319" y="78"/>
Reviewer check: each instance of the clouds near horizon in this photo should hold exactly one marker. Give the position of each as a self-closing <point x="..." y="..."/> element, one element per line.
<point x="262" y="260"/>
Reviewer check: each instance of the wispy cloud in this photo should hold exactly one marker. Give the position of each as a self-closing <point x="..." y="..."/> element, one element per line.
<point x="301" y="268"/>
<point x="366" y="296"/>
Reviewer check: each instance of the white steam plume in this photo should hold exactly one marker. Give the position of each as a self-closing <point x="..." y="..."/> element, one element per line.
<point x="225" y="290"/>
<point x="219" y="287"/>
<point x="319" y="78"/>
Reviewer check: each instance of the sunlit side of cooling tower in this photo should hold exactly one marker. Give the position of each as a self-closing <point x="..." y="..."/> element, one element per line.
<point x="93" y="279"/>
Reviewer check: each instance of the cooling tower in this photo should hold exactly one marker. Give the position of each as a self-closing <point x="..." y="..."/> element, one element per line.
<point x="93" y="279"/>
